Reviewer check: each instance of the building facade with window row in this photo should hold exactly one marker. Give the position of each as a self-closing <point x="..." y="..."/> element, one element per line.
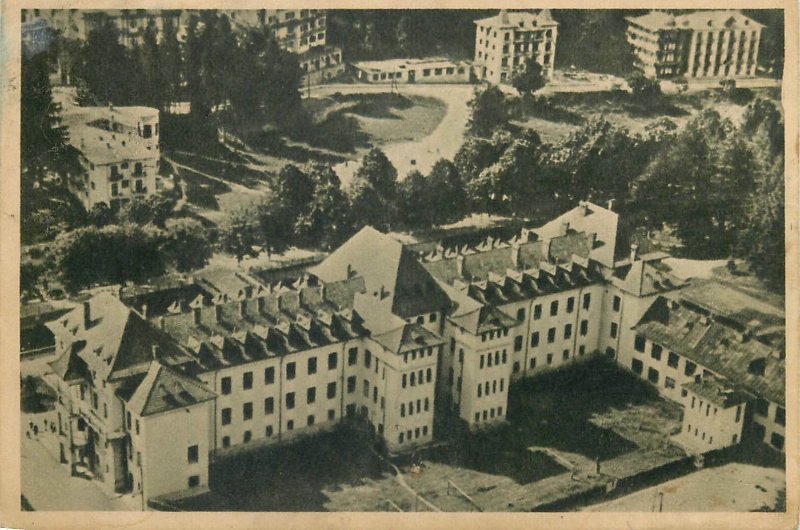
<point x="387" y="335"/>
<point x="699" y="45"/>
<point x="504" y="42"/>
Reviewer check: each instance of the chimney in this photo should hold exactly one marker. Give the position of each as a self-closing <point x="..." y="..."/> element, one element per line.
<point x="610" y="205"/>
<point x="144" y="311"/>
<point x="634" y="252"/>
<point x="503" y="16"/>
<point x="161" y="323"/>
<point x="515" y="255"/>
<point x="591" y="238"/>
<point x="120" y="289"/>
<point x="196" y="315"/>
<point x="217" y="313"/>
<point x="583" y="208"/>
<point x="564" y="228"/>
<point x="87" y="315"/>
<point x="242" y="308"/>
<point x="156" y="351"/>
<point x="460" y="265"/>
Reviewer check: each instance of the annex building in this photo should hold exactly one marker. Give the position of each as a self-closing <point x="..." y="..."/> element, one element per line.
<point x="700" y="45"/>
<point x="119" y="152"/>
<point x="504" y="42"/>
<point x="155" y="382"/>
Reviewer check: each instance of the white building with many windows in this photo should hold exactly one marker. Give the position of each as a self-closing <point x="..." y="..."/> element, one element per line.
<point x="153" y="386"/>
<point x="504" y="42"/>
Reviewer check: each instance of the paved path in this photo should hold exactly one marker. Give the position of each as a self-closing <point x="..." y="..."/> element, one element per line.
<point x="443" y="142"/>
<point x="733" y="487"/>
<point x="49" y="485"/>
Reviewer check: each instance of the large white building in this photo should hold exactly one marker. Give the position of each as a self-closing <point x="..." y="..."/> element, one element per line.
<point x="388" y="337"/>
<point x="504" y="42"/>
<point x="119" y="153"/>
<point x="704" y="44"/>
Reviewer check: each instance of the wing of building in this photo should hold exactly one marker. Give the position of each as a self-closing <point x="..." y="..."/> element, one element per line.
<point x="154" y="381"/>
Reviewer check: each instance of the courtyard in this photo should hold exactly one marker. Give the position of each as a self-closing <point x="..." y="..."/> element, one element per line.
<point x="549" y="450"/>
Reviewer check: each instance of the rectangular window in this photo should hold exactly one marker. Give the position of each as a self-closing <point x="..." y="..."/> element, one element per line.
<point x="537" y="311"/>
<point x="549" y="358"/>
<point x="367" y="358"/>
<point x="332" y="361"/>
<point x="534" y="339"/>
<point x="225" y="384"/>
<point x="584" y="327"/>
<point x="652" y="375"/>
<point x="568" y="331"/>
<point x="518" y="343"/>
<point x="690" y="368"/>
<point x="521" y="313"/>
<point x="269" y="405"/>
<point x="617" y="303"/>
<point x="290" y="370"/>
<point x="226" y="416"/>
<point x="570" y="304"/>
<point x="551" y="335"/>
<point x="290" y="400"/>
<point x="312" y="365"/>
<point x="331" y="414"/>
<point x="269" y="375"/>
<point x="269" y="431"/>
<point x="331" y="392"/>
<point x="247" y="411"/>
<point x="193" y="454"/>
<point x="553" y="308"/>
<point x="655" y="352"/>
<point x="587" y="300"/>
<point x="738" y="414"/>
<point x="639" y="344"/>
<point x="310" y="420"/>
<point x="194" y="481"/>
<point x="669" y="382"/>
<point x="366" y="388"/>
<point x="762" y="407"/>
<point x="777" y="440"/>
<point x="673" y="360"/>
<point x="613" y="330"/>
<point x="247" y="380"/>
<point x="637" y="366"/>
<point x="351" y="384"/>
<point x="780" y="416"/>
<point x="352" y="356"/>
<point x="290" y="425"/>
<point x="311" y="395"/>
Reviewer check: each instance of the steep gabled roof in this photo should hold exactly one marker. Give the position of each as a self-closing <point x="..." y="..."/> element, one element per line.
<point x="390" y="271"/>
<point x="164" y="389"/>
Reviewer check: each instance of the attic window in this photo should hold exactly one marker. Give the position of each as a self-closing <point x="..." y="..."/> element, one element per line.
<point x="757" y="366"/>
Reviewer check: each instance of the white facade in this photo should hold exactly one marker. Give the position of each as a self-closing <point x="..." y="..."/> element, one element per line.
<point x="504" y="42"/>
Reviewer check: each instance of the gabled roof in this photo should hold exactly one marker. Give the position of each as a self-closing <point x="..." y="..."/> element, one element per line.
<point x="587" y="218"/>
<point x="717" y="346"/>
<point x="390" y="271"/>
<point x="717" y="391"/>
<point x="700" y="20"/>
<point x="117" y="343"/>
<point x="164" y="389"/>
<point x="519" y="19"/>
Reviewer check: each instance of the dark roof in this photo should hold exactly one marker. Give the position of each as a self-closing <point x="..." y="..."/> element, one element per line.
<point x="164" y="389"/>
<point x="716" y="345"/>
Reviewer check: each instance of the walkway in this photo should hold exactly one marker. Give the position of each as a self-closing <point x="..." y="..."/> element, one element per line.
<point x="443" y="142"/>
<point x="49" y="485"/>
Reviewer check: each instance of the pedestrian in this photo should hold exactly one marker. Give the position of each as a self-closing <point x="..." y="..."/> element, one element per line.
<point x="35" y="430"/>
<point x="28" y="434"/>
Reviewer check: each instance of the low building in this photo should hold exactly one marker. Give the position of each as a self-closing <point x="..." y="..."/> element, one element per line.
<point x="504" y="42"/>
<point x="119" y="152"/>
<point x="386" y="337"/>
<point x="429" y="70"/>
<point x="700" y="45"/>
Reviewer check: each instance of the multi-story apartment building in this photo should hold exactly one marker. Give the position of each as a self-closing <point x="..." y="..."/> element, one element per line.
<point x="504" y="42"/>
<point x="385" y="335"/>
<point x="119" y="152"/>
<point x="704" y="44"/>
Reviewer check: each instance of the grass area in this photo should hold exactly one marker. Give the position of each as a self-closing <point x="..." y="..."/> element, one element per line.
<point x="289" y="478"/>
<point x="226" y="170"/>
<point x="200" y="190"/>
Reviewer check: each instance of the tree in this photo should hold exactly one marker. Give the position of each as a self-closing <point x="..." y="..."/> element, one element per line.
<point x="29" y="276"/>
<point x="490" y="111"/>
<point x="448" y="196"/>
<point x="186" y="244"/>
<point x="476" y="154"/>
<point x="101" y="215"/>
<point x="414" y="202"/>
<point x="643" y="89"/>
<point x="324" y="221"/>
<point x="762" y="241"/>
<point x="373" y="191"/>
<point x="240" y="234"/>
<point x="530" y="79"/>
<point x="112" y="254"/>
<point x="106" y="66"/>
<point x="154" y="209"/>
<point x="170" y="63"/>
<point x="764" y="115"/>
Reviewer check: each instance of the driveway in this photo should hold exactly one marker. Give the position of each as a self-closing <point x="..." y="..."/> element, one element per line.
<point x="443" y="142"/>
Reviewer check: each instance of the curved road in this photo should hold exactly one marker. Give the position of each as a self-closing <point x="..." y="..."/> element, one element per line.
<point x="443" y="142"/>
